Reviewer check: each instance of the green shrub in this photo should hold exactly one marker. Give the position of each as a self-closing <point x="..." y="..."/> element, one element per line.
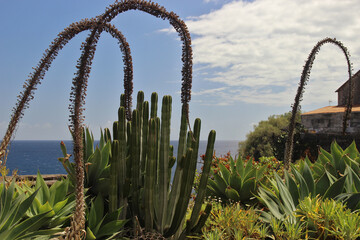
<point x="233" y="222"/>
<point x="328" y="219"/>
<point x="268" y="138"/>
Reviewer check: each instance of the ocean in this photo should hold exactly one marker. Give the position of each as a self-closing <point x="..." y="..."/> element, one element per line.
<point x="28" y="156"/>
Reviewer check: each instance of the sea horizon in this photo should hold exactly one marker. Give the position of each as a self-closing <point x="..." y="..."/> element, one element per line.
<point x="30" y="156"/>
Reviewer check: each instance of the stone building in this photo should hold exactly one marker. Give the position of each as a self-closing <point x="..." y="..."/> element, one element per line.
<point x="328" y="120"/>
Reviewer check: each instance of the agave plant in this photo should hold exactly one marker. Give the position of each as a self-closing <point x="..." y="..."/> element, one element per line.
<point x="236" y="181"/>
<point x="101" y="224"/>
<point x="283" y="197"/>
<point x="14" y="220"/>
<point x="336" y="161"/>
<point x="55" y="200"/>
<point x="96" y="162"/>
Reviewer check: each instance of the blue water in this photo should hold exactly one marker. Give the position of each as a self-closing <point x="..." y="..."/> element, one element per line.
<point x="30" y="156"/>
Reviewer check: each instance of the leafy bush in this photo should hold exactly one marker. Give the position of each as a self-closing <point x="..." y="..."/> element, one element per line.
<point x="328" y="219"/>
<point x="268" y="138"/>
<point x="233" y="222"/>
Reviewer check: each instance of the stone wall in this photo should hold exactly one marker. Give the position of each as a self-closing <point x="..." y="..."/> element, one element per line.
<point x="330" y="123"/>
<point x="343" y="92"/>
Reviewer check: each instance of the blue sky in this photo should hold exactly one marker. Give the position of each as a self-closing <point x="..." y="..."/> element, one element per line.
<point x="248" y="57"/>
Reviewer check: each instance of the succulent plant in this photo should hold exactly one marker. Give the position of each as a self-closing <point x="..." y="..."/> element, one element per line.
<point x="236" y="181"/>
<point x="140" y="165"/>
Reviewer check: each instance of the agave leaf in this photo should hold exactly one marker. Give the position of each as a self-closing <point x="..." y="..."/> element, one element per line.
<point x="292" y="187"/>
<point x="112" y="216"/>
<point x="303" y="188"/>
<point x="325" y="156"/>
<point x="17" y="211"/>
<point x="30" y="224"/>
<point x="232" y="165"/>
<point x="58" y="191"/>
<point x="102" y="140"/>
<point x="210" y="191"/>
<point x="6" y="197"/>
<point x="99" y="207"/>
<point x="352" y="151"/>
<point x="89" y="144"/>
<point x="248" y="167"/>
<point x="247" y="190"/>
<point x="337" y="154"/>
<point x="322" y="184"/>
<point x="92" y="218"/>
<point x="352" y="200"/>
<point x="214" y="187"/>
<point x="89" y="234"/>
<point x="331" y="170"/>
<point x="45" y="232"/>
<point x="94" y="168"/>
<point x="240" y="167"/>
<point x="225" y="173"/>
<point x="111" y="228"/>
<point x="220" y="183"/>
<point x="232" y="194"/>
<point x="59" y="205"/>
<point x="260" y="172"/>
<point x="307" y="174"/>
<point x="46" y="208"/>
<point x="353" y="180"/>
<point x="336" y="188"/>
<point x="331" y="177"/>
<point x="250" y="174"/>
<point x="271" y="201"/>
<point x="235" y="182"/>
<point x="318" y="170"/>
<point x="285" y="196"/>
<point x="44" y="192"/>
<point x="105" y="153"/>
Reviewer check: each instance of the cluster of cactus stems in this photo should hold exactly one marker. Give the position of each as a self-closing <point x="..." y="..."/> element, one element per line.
<point x="141" y="163"/>
<point x="78" y="91"/>
<point x="299" y="94"/>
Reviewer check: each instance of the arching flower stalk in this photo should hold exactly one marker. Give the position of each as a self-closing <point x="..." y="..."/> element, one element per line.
<point x="44" y="64"/>
<point x="303" y="81"/>
<point x="78" y="93"/>
<point x="180" y="27"/>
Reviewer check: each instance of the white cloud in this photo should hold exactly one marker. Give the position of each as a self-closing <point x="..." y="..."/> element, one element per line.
<point x="208" y="91"/>
<point x="255" y="50"/>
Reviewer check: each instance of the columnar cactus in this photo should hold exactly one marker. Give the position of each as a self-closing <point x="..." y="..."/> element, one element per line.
<point x="149" y="160"/>
<point x="78" y="93"/>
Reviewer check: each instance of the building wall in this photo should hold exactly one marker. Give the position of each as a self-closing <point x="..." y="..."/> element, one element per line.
<point x="330" y="122"/>
<point x="343" y="92"/>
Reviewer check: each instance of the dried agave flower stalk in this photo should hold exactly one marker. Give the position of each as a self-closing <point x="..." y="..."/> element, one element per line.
<point x="78" y="93"/>
<point x="179" y="26"/>
<point x="303" y="81"/>
<point x="50" y="54"/>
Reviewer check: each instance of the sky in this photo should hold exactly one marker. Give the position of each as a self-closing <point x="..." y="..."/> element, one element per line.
<point x="248" y="59"/>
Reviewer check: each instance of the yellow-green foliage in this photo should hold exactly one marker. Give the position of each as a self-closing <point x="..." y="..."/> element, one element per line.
<point x="233" y="222"/>
<point x="328" y="219"/>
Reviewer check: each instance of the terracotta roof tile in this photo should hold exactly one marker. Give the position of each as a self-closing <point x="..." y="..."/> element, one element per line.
<point x="332" y="109"/>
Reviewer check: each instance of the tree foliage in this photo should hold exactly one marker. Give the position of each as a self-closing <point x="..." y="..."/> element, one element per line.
<point x="267" y="138"/>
